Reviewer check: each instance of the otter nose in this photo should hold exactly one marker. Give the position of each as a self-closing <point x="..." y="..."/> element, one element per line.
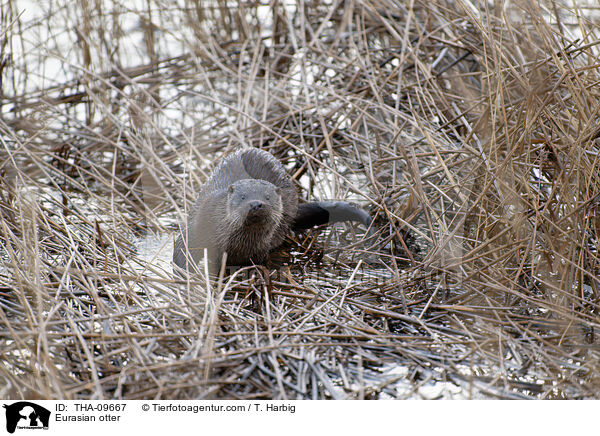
<point x="256" y="206"/>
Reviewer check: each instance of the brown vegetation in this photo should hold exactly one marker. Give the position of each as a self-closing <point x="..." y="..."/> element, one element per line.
<point x="470" y="131"/>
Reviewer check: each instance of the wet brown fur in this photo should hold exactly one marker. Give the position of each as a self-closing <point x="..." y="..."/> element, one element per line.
<point x="212" y="226"/>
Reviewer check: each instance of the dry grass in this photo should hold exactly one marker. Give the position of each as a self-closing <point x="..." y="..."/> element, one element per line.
<point x="470" y="131"/>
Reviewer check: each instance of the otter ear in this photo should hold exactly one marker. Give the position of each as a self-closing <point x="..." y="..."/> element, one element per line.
<point x="230" y="190"/>
<point x="278" y="190"/>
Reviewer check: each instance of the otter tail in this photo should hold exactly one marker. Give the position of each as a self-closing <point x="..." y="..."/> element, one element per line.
<point x="324" y="212"/>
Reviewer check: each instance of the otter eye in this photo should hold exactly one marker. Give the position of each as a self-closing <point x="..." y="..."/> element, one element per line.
<point x="267" y="198"/>
<point x="243" y="197"/>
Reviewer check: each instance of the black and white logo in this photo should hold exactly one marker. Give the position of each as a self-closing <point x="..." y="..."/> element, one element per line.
<point x="26" y="415"/>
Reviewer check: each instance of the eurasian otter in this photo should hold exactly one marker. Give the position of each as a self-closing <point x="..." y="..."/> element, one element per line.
<point x="246" y="209"/>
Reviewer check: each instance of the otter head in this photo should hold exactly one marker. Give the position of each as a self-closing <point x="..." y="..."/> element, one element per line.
<point x="253" y="203"/>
